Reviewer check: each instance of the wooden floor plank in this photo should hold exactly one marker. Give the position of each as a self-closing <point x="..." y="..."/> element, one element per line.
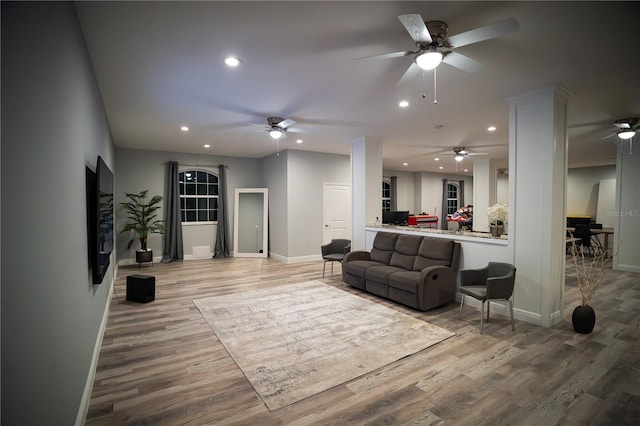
<point x="161" y="364"/>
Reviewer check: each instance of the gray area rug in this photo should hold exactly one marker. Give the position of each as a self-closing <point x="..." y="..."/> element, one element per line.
<point x="294" y="341"/>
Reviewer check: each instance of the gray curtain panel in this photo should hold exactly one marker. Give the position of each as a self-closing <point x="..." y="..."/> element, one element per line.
<point x="461" y="195"/>
<point x="394" y="193"/>
<point x="173" y="246"/>
<point x="222" y="234"/>
<point x="443" y="222"/>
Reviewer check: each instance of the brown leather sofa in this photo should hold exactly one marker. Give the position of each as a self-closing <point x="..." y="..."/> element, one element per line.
<point x="414" y="270"/>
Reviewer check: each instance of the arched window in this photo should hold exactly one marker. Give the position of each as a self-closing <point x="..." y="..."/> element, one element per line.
<point x="198" y="196"/>
<point x="386" y="196"/>
<point x="453" y="200"/>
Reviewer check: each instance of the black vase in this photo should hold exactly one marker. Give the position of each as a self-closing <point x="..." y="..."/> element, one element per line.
<point x="583" y="319"/>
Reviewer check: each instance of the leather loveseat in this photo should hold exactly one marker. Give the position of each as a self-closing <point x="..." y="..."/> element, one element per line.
<point x="414" y="270"/>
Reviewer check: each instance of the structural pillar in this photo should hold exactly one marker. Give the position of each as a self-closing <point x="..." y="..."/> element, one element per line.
<point x="366" y="184"/>
<point x="484" y="192"/>
<point x="537" y="202"/>
<point x="626" y="244"/>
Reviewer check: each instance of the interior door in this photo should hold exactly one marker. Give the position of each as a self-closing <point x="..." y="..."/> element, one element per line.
<point x="336" y="212"/>
<point x="250" y="229"/>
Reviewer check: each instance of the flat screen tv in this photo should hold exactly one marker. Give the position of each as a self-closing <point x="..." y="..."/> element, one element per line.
<point x="396" y="217"/>
<point x="104" y="221"/>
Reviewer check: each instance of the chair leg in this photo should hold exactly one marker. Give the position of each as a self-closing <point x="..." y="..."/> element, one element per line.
<point x="488" y="307"/>
<point x="331" y="268"/>
<point x="324" y="265"/>
<point x="513" y="327"/>
<point x="461" y="305"/>
<point x="482" y="318"/>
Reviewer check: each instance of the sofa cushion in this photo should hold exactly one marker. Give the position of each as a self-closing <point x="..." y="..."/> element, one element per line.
<point x="383" y="246"/>
<point x="381" y="273"/>
<point x="406" y="250"/>
<point x="405" y="280"/>
<point x="434" y="252"/>
<point x="357" y="267"/>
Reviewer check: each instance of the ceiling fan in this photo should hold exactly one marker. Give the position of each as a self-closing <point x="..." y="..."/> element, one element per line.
<point x="627" y="127"/>
<point x="433" y="45"/>
<point x="277" y="127"/>
<point x="460" y="153"/>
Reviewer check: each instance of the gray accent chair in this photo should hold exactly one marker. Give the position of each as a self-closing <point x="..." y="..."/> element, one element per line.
<point x="493" y="282"/>
<point x="334" y="252"/>
<point x="414" y="270"/>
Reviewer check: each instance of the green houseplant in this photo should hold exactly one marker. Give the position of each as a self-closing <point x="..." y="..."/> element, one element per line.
<point x="142" y="218"/>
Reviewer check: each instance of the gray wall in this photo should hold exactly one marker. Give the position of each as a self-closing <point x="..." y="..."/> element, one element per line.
<point x="307" y="173"/>
<point x="139" y="170"/>
<point x="582" y="189"/>
<point x="53" y="126"/>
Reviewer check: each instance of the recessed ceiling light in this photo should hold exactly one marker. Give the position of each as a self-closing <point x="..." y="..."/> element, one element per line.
<point x="232" y="61"/>
<point x="441" y="167"/>
<point x="405" y="164"/>
<point x="436" y="159"/>
<point x="299" y="141"/>
<point x="403" y="104"/>
<point x="206" y="145"/>
<point x="184" y="128"/>
<point x="466" y="170"/>
<point x="491" y="128"/>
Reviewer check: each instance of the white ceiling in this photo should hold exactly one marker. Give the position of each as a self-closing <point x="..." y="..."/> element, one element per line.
<point x="160" y="65"/>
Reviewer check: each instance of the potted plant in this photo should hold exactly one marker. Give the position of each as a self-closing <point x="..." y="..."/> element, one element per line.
<point x="141" y="221"/>
<point x="498" y="214"/>
<point x="589" y="274"/>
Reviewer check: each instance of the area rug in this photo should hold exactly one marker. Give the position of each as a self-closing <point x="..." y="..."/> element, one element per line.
<point x="294" y="341"/>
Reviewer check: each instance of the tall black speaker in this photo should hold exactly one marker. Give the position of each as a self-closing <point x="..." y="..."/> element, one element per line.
<point x="141" y="288"/>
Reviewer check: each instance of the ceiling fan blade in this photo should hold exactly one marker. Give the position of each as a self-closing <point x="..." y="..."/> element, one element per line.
<point x="487" y="32"/>
<point x="416" y="27"/>
<point x="296" y="130"/>
<point x="622" y="125"/>
<point x="411" y="72"/>
<point x="388" y="55"/>
<point x="462" y="62"/>
<point x="285" y="123"/>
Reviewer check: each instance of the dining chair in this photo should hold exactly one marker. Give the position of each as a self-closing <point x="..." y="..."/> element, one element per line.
<point x="334" y="252"/>
<point x="585" y="240"/>
<point x="493" y="282"/>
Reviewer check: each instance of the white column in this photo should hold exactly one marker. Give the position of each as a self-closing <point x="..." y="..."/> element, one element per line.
<point x="366" y="184"/>
<point x="626" y="244"/>
<point x="484" y="192"/>
<point x="537" y="202"/>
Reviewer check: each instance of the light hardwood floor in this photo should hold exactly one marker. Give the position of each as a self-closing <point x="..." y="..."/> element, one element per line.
<point x="161" y="364"/>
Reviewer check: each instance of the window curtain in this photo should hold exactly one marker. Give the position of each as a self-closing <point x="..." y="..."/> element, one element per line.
<point x="393" y="193"/>
<point x="222" y="234"/>
<point x="461" y="194"/>
<point x="173" y="249"/>
<point x="444" y="224"/>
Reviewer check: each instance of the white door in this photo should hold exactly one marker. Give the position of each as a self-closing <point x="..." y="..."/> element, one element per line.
<point x="336" y="212"/>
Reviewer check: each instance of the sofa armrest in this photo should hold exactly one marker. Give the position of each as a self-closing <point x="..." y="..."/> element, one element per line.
<point x="356" y="255"/>
<point x="437" y="286"/>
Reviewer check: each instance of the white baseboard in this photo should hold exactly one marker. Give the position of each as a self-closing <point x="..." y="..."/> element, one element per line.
<point x="297" y="259"/>
<point x="81" y="418"/>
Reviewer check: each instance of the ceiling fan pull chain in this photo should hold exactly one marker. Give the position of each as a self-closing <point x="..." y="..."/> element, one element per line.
<point x="424" y="91"/>
<point x="435" y="86"/>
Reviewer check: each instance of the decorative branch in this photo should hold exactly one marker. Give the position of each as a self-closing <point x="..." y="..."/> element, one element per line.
<point x="589" y="273"/>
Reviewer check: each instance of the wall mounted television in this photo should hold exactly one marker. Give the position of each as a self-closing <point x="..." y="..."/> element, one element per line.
<point x="103" y="232"/>
<point x="396" y="217"/>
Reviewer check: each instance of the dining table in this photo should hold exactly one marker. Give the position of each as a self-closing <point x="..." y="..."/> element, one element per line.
<point x="605" y="231"/>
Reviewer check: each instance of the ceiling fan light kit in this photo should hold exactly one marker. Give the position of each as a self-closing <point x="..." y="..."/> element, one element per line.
<point x="626" y="134"/>
<point x="429" y="60"/>
<point x="275" y="133"/>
